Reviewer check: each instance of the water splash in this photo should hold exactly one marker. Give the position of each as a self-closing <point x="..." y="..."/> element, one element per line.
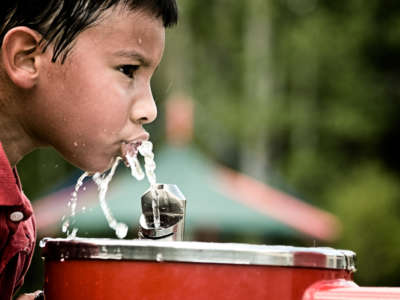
<point x="134" y="164"/>
<point x="102" y="181"/>
<point x="74" y="195"/>
<point x="72" y="204"/>
<point x="146" y="150"/>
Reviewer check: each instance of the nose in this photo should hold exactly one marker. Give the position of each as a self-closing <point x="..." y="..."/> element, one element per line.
<point x="144" y="109"/>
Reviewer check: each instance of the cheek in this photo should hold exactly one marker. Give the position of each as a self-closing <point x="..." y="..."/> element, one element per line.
<point x="91" y="103"/>
<point x="110" y="108"/>
<point x="112" y="118"/>
<point x="99" y="100"/>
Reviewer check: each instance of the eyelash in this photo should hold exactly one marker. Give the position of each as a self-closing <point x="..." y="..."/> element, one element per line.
<point x="129" y="70"/>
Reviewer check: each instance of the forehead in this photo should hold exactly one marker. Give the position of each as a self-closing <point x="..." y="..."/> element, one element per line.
<point x="122" y="30"/>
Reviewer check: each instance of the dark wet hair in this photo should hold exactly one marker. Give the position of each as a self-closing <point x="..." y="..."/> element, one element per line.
<point x="61" y="21"/>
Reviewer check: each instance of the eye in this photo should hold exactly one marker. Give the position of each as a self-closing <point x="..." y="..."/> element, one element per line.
<point x="128" y="70"/>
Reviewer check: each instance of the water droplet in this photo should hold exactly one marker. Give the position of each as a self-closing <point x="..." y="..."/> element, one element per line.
<point x="65" y="226"/>
<point x="76" y="144"/>
<point x="159" y="257"/>
<point x="72" y="235"/>
<point x="42" y="243"/>
<point x="121" y="230"/>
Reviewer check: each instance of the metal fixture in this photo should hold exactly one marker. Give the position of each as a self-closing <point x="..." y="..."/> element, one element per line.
<point x="171" y="207"/>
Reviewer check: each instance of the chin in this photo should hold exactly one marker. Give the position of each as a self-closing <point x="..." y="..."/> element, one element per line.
<point x="100" y="168"/>
<point x="94" y="166"/>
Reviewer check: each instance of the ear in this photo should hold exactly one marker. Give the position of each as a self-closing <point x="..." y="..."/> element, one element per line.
<point x="20" y="54"/>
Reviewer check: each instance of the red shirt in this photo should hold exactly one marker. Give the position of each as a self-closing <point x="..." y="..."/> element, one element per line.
<point x="17" y="230"/>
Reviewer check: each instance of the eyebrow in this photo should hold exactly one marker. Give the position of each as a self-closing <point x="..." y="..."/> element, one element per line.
<point x="132" y="55"/>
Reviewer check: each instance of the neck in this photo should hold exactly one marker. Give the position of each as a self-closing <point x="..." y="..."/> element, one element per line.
<point x="14" y="138"/>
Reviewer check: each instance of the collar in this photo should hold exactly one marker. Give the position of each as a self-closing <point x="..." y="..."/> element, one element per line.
<point x="10" y="187"/>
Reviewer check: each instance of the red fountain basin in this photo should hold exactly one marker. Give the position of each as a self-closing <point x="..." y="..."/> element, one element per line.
<point x="155" y="270"/>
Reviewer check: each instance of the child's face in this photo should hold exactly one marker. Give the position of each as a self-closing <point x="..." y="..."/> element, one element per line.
<point x="99" y="99"/>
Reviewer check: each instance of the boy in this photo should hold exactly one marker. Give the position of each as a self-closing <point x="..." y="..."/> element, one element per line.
<point x="74" y="75"/>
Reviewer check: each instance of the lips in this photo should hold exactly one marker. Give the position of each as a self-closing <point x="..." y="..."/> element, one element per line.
<point x="129" y="148"/>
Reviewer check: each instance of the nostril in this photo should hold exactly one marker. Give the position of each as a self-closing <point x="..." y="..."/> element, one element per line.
<point x="141" y="116"/>
<point x="143" y="120"/>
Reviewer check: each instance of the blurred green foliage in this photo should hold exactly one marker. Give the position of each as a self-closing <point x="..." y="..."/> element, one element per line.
<point x="309" y="87"/>
<point x="367" y="199"/>
<point x="316" y="84"/>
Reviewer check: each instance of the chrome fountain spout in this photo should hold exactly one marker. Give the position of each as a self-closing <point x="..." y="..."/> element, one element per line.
<point x="172" y="208"/>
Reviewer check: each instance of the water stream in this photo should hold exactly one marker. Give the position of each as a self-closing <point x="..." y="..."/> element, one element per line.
<point x="72" y="204"/>
<point x="146" y="150"/>
<point x="102" y="181"/>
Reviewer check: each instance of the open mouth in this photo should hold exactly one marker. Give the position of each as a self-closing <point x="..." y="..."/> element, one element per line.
<point x="129" y="149"/>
